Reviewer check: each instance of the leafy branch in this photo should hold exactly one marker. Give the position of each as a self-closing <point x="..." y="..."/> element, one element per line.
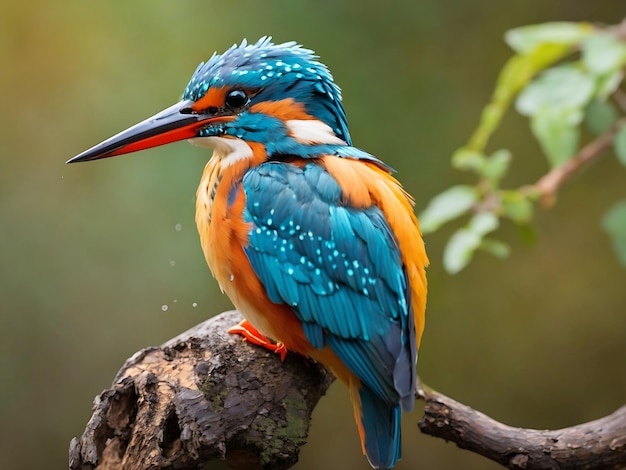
<point x="563" y="76"/>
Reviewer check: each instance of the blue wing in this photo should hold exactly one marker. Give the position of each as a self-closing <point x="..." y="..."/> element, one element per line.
<point x="340" y="270"/>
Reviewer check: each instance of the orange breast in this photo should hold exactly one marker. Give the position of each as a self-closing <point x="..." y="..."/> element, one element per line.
<point x="223" y="235"/>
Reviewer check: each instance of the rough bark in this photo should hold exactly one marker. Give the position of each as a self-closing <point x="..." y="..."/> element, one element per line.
<point x="208" y="396"/>
<point x="202" y="396"/>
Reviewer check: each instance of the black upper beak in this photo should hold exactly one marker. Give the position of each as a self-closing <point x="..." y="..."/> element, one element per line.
<point x="178" y="122"/>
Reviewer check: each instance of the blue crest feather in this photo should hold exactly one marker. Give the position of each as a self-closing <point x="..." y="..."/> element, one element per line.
<point x="278" y="71"/>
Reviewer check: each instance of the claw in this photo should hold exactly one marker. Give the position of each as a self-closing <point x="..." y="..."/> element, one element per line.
<point x="251" y="334"/>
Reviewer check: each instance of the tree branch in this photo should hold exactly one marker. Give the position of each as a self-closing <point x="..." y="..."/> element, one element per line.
<point x="203" y="396"/>
<point x="207" y="395"/>
<point x="549" y="184"/>
<point x="599" y="444"/>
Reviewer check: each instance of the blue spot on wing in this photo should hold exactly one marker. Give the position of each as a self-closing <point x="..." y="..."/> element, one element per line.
<point x="340" y="270"/>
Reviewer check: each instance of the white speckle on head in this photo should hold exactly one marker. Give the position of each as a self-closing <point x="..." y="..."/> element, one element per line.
<point x="312" y="131"/>
<point x="229" y="150"/>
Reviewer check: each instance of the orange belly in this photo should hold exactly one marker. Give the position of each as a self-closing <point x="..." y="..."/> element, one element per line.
<point x="223" y="234"/>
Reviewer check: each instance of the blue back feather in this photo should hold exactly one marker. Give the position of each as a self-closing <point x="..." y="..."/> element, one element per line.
<point x="340" y="270"/>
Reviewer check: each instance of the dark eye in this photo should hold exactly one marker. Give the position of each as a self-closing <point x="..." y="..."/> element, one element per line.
<point x="236" y="99"/>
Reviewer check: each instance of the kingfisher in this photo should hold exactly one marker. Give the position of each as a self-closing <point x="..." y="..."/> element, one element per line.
<point x="314" y="241"/>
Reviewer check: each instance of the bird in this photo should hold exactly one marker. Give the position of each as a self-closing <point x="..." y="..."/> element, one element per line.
<point x="314" y="240"/>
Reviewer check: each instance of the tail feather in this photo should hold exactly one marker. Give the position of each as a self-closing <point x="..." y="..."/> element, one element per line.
<point x="379" y="423"/>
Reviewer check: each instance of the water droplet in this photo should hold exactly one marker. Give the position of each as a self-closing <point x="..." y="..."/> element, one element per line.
<point x="175" y="301"/>
<point x="178" y="227"/>
<point x="194" y="305"/>
<point x="172" y="263"/>
<point x="164" y="308"/>
<point x="232" y="277"/>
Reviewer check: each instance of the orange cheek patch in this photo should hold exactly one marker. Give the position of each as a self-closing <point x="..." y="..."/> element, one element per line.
<point x="284" y="110"/>
<point x="214" y="98"/>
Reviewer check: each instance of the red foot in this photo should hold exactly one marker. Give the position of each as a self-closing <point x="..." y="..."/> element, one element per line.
<point x="250" y="333"/>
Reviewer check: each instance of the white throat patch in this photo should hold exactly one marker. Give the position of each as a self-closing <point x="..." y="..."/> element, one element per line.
<point x="230" y="150"/>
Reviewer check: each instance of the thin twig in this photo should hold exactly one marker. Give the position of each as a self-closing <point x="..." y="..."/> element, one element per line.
<point x="548" y="185"/>
<point x="620" y="99"/>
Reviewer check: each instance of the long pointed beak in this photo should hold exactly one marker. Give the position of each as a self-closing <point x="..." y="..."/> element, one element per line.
<point x="170" y="125"/>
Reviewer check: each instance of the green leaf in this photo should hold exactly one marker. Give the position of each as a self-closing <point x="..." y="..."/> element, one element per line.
<point x="483" y="223"/>
<point x="614" y="222"/>
<point x="517" y="207"/>
<point x="448" y="205"/>
<point x="465" y="159"/>
<point x="464" y="242"/>
<point x="495" y="247"/>
<point x="515" y="74"/>
<point x="603" y="53"/>
<point x="527" y="38"/>
<point x="496" y="166"/>
<point x="557" y="132"/>
<point x="619" y="143"/>
<point x="600" y="116"/>
<point x="607" y="84"/>
<point x="459" y="250"/>
<point x="562" y="87"/>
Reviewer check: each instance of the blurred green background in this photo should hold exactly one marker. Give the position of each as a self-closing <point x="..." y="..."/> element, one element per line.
<point x="102" y="259"/>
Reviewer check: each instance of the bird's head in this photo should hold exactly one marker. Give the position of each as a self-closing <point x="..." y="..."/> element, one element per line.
<point x="277" y="95"/>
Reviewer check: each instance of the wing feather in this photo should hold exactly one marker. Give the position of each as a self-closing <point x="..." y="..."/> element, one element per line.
<point x="338" y="267"/>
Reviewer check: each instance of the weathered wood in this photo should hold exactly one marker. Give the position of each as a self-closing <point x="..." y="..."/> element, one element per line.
<point x="204" y="395"/>
<point x="599" y="444"/>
